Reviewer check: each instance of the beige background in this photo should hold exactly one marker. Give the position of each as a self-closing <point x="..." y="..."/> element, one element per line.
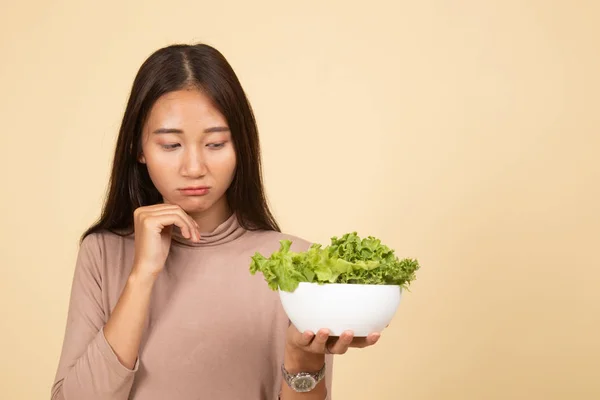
<point x="463" y="133"/>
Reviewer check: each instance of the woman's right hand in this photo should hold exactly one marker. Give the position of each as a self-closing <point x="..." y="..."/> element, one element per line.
<point x="153" y="226"/>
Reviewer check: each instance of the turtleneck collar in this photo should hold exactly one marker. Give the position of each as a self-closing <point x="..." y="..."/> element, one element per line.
<point x="224" y="233"/>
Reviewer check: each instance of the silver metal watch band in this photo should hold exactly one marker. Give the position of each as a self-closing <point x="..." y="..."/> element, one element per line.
<point x="317" y="376"/>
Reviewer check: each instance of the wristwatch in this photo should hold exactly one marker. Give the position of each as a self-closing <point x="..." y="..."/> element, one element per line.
<point x="303" y="381"/>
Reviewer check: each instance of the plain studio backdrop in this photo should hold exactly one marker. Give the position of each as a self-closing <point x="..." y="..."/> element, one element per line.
<point x="461" y="133"/>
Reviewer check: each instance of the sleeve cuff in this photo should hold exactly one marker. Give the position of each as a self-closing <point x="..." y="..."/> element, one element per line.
<point x="112" y="359"/>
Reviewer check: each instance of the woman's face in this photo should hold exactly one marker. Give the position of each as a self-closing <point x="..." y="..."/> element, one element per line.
<point x="187" y="147"/>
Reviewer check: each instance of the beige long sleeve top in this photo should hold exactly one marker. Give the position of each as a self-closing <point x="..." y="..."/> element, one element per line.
<point x="214" y="331"/>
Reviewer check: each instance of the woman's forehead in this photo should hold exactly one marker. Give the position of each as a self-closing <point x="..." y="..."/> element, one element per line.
<point x="185" y="110"/>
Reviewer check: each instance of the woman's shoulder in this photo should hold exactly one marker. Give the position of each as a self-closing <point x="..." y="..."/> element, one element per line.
<point x="273" y="239"/>
<point x="104" y="238"/>
<point x="104" y="253"/>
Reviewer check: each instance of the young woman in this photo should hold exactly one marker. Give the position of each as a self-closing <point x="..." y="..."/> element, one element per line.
<point x="163" y="305"/>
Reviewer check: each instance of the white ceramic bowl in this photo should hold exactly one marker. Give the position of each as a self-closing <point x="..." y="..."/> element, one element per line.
<point x="338" y="307"/>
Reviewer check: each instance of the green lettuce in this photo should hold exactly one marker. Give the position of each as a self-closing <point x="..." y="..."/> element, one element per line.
<point x="348" y="259"/>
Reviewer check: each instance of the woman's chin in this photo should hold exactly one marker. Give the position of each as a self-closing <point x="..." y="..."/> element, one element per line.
<point x="191" y="205"/>
<point x="195" y="205"/>
<point x="194" y="208"/>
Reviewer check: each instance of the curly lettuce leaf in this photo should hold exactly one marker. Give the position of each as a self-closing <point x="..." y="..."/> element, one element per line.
<point x="279" y="269"/>
<point x="348" y="259"/>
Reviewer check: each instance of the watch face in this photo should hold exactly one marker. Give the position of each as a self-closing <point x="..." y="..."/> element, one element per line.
<point x="304" y="383"/>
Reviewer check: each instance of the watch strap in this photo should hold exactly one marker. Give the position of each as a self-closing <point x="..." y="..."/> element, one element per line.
<point x="318" y="376"/>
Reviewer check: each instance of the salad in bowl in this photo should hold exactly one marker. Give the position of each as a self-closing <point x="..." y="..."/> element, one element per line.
<point x="353" y="283"/>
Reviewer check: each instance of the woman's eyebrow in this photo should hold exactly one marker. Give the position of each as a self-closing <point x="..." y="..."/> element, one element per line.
<point x="168" y="130"/>
<point x="217" y="129"/>
<point x="179" y="131"/>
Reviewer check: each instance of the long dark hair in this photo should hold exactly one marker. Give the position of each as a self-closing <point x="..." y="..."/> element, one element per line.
<point x="173" y="68"/>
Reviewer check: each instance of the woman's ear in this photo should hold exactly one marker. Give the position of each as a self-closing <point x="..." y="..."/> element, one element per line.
<point x="142" y="158"/>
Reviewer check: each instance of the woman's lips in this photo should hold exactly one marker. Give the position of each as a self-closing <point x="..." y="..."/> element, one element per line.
<point x="195" y="191"/>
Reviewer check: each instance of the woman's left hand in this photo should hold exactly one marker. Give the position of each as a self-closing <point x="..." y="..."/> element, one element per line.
<point x="323" y="343"/>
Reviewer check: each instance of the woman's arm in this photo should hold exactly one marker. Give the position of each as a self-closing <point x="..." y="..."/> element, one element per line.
<point x="89" y="367"/>
<point x="300" y="361"/>
<point x="125" y="327"/>
<point x="306" y="352"/>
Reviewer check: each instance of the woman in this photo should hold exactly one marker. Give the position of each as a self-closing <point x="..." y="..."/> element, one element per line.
<point x="162" y="303"/>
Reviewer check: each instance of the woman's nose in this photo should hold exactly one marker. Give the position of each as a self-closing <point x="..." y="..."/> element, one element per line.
<point x="193" y="164"/>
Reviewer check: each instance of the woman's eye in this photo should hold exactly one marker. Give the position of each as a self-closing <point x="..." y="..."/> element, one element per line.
<point x="215" y="145"/>
<point x="169" y="146"/>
